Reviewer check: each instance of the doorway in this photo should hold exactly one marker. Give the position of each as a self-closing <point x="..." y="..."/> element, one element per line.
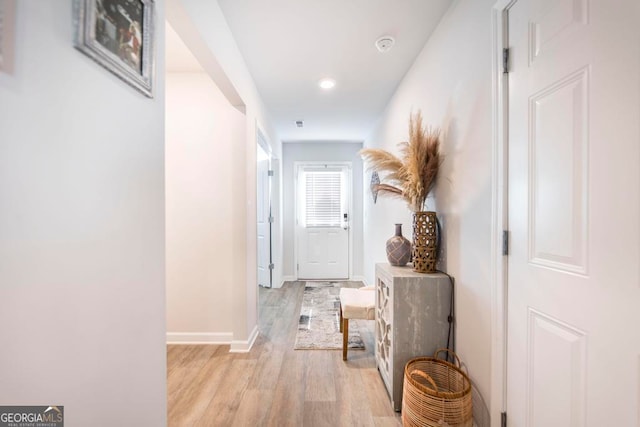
<point x="264" y="213"/>
<point x="323" y="206"/>
<point x="573" y="193"/>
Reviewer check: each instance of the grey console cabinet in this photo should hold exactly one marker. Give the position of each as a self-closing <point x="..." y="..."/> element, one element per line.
<point x="411" y="321"/>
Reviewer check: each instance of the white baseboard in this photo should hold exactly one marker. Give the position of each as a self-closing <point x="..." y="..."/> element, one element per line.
<point x="220" y="338"/>
<point x="361" y="279"/>
<point x="244" y="346"/>
<point x="276" y="285"/>
<point x="288" y="279"/>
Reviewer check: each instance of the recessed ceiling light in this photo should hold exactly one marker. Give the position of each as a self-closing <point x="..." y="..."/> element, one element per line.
<point x="327" y="83"/>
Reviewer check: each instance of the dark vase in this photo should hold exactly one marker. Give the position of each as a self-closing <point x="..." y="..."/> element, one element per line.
<point x="398" y="248"/>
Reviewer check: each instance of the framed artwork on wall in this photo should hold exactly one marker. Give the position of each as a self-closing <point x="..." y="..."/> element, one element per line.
<point x="7" y="34"/>
<point x="120" y="36"/>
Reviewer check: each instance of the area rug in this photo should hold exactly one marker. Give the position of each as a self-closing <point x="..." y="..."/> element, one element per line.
<point x="318" y="327"/>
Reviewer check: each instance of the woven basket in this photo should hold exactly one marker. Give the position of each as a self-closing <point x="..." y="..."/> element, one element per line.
<point x="436" y="393"/>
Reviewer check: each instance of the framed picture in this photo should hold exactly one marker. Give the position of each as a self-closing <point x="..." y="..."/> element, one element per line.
<point x="119" y="35"/>
<point x="7" y="34"/>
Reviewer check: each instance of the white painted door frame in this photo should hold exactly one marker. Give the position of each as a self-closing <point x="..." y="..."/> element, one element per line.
<point x="261" y="143"/>
<point x="296" y="168"/>
<point x="500" y="220"/>
<point x="499" y="214"/>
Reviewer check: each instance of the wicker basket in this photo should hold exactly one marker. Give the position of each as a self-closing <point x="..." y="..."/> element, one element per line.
<point x="436" y="393"/>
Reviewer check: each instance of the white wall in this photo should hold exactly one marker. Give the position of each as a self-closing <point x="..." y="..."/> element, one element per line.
<point x="81" y="230"/>
<point x="451" y="82"/>
<point x="320" y="152"/>
<point x="200" y="212"/>
<point x="204" y="29"/>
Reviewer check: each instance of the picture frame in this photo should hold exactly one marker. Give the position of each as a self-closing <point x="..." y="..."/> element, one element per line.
<point x="120" y="36"/>
<point x="7" y="35"/>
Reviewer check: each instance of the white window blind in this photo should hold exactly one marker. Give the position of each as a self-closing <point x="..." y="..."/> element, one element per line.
<point x="323" y="198"/>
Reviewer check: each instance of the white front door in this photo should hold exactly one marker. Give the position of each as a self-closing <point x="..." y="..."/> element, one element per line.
<point x="573" y="281"/>
<point x="263" y="214"/>
<point x="322" y="228"/>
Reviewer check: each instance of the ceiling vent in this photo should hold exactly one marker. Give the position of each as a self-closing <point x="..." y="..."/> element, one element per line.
<point x="385" y="43"/>
<point x="299" y="123"/>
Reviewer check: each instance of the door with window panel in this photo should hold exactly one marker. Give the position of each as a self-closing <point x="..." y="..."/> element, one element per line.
<point x="323" y="221"/>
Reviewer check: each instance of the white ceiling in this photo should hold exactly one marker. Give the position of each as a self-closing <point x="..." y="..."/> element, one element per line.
<point x="289" y="45"/>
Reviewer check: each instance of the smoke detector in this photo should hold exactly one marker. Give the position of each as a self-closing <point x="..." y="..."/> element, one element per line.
<point x="299" y="123"/>
<point x="385" y="43"/>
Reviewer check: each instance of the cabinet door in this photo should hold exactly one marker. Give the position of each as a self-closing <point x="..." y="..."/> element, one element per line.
<point x="384" y="335"/>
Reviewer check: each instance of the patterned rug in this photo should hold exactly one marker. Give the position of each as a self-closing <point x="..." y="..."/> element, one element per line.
<point x="318" y="327"/>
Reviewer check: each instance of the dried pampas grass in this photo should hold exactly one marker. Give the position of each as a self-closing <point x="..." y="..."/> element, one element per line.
<point x="412" y="176"/>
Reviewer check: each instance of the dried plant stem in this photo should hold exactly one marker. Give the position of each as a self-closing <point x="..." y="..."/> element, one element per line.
<point x="412" y="176"/>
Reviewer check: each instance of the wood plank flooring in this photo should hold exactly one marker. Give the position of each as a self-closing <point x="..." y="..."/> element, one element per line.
<point x="275" y="385"/>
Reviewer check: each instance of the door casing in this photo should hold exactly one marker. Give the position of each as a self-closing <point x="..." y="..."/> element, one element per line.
<point x="263" y="145"/>
<point x="500" y="220"/>
<point x="499" y="214"/>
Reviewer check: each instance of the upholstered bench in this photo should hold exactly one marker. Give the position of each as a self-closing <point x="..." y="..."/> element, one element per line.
<point x="355" y="304"/>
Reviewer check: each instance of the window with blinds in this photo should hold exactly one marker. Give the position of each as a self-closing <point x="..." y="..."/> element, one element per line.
<point x="323" y="201"/>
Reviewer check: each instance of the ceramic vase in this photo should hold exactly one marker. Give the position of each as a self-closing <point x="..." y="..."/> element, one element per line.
<point x="398" y="248"/>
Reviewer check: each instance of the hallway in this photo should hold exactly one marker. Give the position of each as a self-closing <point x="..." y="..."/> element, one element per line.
<point x="274" y="384"/>
<point x="123" y="227"/>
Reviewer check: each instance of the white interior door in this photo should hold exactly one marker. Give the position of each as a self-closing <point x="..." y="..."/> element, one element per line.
<point x="323" y="221"/>
<point x="263" y="214"/>
<point x="573" y="281"/>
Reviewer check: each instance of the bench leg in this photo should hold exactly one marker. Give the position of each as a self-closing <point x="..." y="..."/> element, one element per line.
<point x="345" y="338"/>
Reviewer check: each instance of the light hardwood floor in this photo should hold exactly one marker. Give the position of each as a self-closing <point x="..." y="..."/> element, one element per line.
<point x="275" y="385"/>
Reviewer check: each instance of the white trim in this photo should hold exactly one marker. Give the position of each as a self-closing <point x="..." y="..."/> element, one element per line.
<point x="251" y="239"/>
<point x="350" y="186"/>
<point x="296" y="166"/>
<point x="220" y="338"/>
<point x="7" y="35"/>
<point x="499" y="214"/>
<point x="276" y="212"/>
<point x="361" y="279"/>
<point x="262" y="140"/>
<point x="263" y="143"/>
<point x="287" y="279"/>
<point x="244" y="346"/>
